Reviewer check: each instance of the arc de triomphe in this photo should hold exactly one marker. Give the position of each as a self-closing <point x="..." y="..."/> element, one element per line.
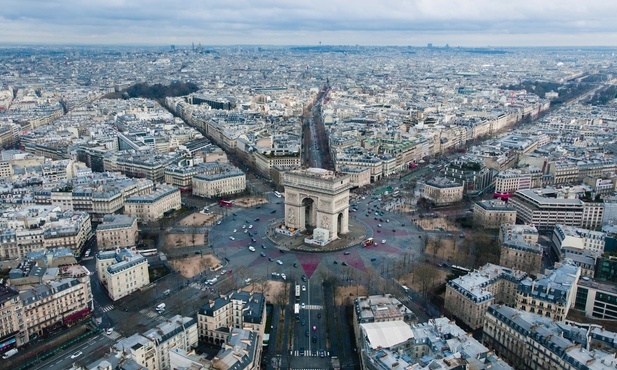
<point x="317" y="198"/>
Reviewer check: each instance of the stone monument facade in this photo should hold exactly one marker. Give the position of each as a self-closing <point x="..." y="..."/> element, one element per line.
<point x="317" y="198"/>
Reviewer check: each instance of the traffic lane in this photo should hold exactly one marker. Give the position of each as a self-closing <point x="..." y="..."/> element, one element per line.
<point x="63" y="360"/>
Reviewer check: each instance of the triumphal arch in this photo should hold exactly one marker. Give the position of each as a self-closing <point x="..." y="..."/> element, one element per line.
<point x="317" y="199"/>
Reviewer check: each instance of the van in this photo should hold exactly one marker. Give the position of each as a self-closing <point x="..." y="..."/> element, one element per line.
<point x="9" y="353"/>
<point x="160" y="307"/>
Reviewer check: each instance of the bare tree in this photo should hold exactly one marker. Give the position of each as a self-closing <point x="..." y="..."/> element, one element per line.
<point x="426" y="277"/>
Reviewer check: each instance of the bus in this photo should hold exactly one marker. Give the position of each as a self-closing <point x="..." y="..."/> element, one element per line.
<point x="297" y="292"/>
<point x="225" y="203"/>
<point x="460" y="269"/>
<point x="368" y="242"/>
<point x="297" y="311"/>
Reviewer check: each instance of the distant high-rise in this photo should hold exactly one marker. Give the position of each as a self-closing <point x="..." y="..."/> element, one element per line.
<point x="430" y="45"/>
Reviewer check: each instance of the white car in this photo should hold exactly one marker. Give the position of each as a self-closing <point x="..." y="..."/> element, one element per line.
<point x="244" y="226"/>
<point x="251" y="248"/>
<point x="304" y="288"/>
<point x="250" y="226"/>
<point x="283" y="276"/>
<point x="76" y="354"/>
<point x="303" y="305"/>
<point x="279" y="262"/>
<point x="383" y="241"/>
<point x="223" y="272"/>
<point x="232" y="238"/>
<point x="109" y="331"/>
<point x="246" y="231"/>
<point x="235" y="230"/>
<point x="218" y="222"/>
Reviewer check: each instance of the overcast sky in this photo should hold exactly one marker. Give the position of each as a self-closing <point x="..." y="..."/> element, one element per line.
<point x="308" y="22"/>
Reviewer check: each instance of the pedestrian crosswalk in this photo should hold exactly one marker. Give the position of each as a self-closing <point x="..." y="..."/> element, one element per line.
<point x="114" y="335"/>
<point x="108" y="308"/>
<point x="308" y="353"/>
<point x="313" y="307"/>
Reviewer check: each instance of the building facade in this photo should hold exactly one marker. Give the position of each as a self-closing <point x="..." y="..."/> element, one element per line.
<point x="117" y="231"/>
<point x="151" y="207"/>
<point x="122" y="271"/>
<point x="491" y="214"/>
<point x="443" y="192"/>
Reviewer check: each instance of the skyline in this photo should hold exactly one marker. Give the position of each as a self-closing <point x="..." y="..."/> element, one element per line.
<point x="462" y="23"/>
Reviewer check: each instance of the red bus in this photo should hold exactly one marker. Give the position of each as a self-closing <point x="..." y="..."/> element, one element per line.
<point x="368" y="242"/>
<point x="225" y="203"/>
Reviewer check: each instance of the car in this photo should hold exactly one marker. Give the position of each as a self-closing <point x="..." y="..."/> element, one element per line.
<point x="283" y="276"/>
<point x="335" y="262"/>
<point x="383" y="241"/>
<point x="229" y="272"/>
<point x="282" y="250"/>
<point x="250" y="234"/>
<point x="258" y="207"/>
<point x="246" y="231"/>
<point x="279" y="262"/>
<point x="76" y="354"/>
<point x="257" y="219"/>
<point x="303" y="322"/>
<point x="387" y="220"/>
<point x="295" y="264"/>
<point x="304" y="288"/>
<point x="253" y="240"/>
<point x="314" y="339"/>
<point x="223" y="272"/>
<point x="301" y="351"/>
<point x="276" y="274"/>
<point x="304" y="278"/>
<point x="232" y="238"/>
<point x="263" y="246"/>
<point x="250" y="226"/>
<point x="251" y="248"/>
<point x="378" y="225"/>
<point x="109" y="331"/>
<point x="307" y="333"/>
<point x="270" y="259"/>
<point x="347" y="253"/>
<point x="314" y="351"/>
<point x="244" y="226"/>
<point x="303" y="305"/>
<point x="322" y="353"/>
<point x="344" y="263"/>
<point x="373" y="259"/>
<point x="314" y="328"/>
<point x="273" y="211"/>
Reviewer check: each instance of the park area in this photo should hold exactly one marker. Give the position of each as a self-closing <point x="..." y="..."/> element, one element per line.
<point x="192" y="266"/>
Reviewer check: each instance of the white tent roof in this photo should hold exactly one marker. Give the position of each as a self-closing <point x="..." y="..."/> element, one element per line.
<point x="387" y="334"/>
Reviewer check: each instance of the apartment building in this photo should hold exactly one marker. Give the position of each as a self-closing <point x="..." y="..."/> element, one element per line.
<point x="178" y="332"/>
<point x="381" y="308"/>
<point x="240" y="351"/>
<point x="122" y="271"/>
<point x="491" y="214"/>
<point x="520" y="249"/>
<point x="435" y="344"/>
<point x="117" y="231"/>
<point x="227" y="181"/>
<point x="152" y="349"/>
<point x="569" y="239"/>
<point x="442" y="191"/>
<point x="531" y="341"/>
<point x="48" y="307"/>
<point x="149" y="164"/>
<point x="264" y="162"/>
<point x="468" y="296"/>
<point x="359" y="177"/>
<point x="10" y="323"/>
<point x="551" y="295"/>
<point x="151" y="207"/>
<point x="509" y="181"/>
<point x="236" y="309"/>
<point x="36" y="228"/>
<point x="547" y="207"/>
<point x="471" y="173"/>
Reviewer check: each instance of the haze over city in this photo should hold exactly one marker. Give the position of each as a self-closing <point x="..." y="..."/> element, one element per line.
<point x="278" y="22"/>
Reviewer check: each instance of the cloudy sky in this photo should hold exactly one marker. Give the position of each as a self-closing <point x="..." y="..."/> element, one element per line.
<point x="308" y="22"/>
